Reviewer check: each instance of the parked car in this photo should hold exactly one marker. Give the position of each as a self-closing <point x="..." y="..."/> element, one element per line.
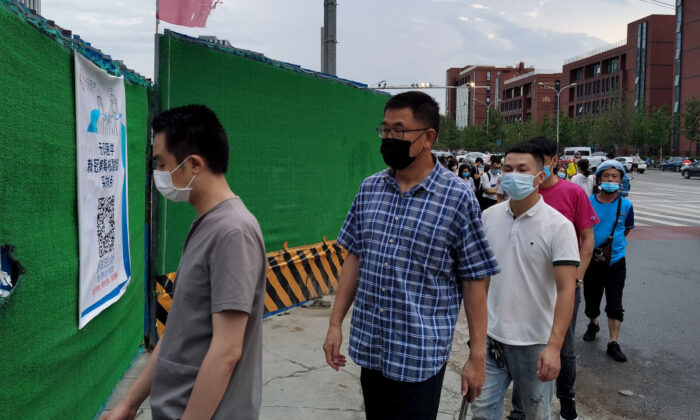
<point x="691" y="170"/>
<point x="440" y="153"/>
<point x="595" y="161"/>
<point x="471" y="157"/>
<point x="603" y="154"/>
<point x="627" y="163"/>
<point x="673" y="163"/>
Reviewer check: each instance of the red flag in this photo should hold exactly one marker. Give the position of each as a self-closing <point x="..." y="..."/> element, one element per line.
<point x="192" y="13"/>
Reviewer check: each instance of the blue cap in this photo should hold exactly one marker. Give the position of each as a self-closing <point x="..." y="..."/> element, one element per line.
<point x="610" y="163"/>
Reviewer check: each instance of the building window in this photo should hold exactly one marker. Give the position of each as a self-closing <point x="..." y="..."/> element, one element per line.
<point x="576" y="74"/>
<point x="641" y="63"/>
<point x="488" y="75"/>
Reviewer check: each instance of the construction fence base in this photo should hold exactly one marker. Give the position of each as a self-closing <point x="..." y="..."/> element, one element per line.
<point x="294" y="276"/>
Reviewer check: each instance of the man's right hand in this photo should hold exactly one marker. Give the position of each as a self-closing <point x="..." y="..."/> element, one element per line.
<point x="121" y="411"/>
<point x="331" y="347"/>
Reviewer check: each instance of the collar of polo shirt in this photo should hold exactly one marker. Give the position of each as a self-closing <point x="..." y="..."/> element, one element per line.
<point x="530" y="212"/>
<point x="427" y="184"/>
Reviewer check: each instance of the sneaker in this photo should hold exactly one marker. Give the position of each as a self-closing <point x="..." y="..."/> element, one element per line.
<point x="568" y="409"/>
<point x="590" y="333"/>
<point x="615" y="352"/>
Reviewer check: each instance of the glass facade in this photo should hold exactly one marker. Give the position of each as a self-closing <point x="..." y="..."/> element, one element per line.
<point x="677" y="78"/>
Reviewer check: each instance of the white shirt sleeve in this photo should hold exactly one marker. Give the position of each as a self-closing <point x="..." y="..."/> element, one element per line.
<point x="565" y="245"/>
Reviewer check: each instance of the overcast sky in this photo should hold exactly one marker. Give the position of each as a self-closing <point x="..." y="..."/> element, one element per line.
<point x="400" y="41"/>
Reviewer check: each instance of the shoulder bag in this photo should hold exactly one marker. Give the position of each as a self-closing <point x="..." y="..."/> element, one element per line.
<point x="603" y="253"/>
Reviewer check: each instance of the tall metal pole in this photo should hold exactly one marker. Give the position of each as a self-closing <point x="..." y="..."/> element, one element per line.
<point x="558" y="104"/>
<point x="558" y="92"/>
<point x="487" y="121"/>
<point x="328" y="35"/>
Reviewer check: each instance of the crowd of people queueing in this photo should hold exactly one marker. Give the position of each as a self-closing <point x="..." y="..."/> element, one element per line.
<point x="484" y="179"/>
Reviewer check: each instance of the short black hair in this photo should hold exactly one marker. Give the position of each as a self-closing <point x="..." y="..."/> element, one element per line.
<point x="478" y="160"/>
<point x="530" y="149"/>
<point x="194" y="130"/>
<point x="547" y="146"/>
<point x="495" y="159"/>
<point x="424" y="107"/>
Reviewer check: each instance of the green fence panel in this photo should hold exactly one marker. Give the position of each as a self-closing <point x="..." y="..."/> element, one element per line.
<point x="301" y="142"/>
<point x="49" y="368"/>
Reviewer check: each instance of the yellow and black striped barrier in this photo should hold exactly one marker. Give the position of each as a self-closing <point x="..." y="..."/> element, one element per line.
<point x="294" y="276"/>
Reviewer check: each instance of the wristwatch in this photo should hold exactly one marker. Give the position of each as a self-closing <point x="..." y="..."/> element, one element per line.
<point x="579" y="282"/>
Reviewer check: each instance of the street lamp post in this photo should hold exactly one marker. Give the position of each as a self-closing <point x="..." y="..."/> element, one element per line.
<point x="488" y="106"/>
<point x="558" y="92"/>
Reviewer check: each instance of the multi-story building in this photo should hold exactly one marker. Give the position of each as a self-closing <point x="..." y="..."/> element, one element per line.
<point x="480" y="86"/>
<point x="598" y="76"/>
<point x="657" y="64"/>
<point x="529" y="96"/>
<point x="638" y="70"/>
<point x="686" y="68"/>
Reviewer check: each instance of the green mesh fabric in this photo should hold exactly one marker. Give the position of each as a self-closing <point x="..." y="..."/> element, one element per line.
<point x="50" y="369"/>
<point x="300" y="143"/>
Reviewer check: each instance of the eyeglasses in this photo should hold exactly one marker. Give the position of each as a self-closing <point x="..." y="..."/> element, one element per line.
<point x="398" y="133"/>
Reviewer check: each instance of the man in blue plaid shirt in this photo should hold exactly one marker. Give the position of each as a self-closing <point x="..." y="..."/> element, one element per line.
<point x="416" y="249"/>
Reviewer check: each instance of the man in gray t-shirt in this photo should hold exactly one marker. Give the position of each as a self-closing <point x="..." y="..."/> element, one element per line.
<point x="208" y="364"/>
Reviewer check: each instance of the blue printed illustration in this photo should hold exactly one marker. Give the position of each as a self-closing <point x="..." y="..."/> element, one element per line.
<point x="98" y="118"/>
<point x="104" y="123"/>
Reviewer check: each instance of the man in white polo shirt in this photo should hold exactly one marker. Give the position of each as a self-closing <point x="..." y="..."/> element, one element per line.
<point x="531" y="302"/>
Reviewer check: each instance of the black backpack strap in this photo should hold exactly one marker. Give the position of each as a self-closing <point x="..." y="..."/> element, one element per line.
<point x="617" y="216"/>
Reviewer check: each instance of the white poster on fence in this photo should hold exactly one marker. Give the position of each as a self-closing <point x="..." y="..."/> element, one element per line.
<point x="103" y="224"/>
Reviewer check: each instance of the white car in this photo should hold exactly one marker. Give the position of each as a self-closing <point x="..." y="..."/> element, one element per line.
<point x="471" y="157"/>
<point x="595" y="161"/>
<point x="627" y="163"/>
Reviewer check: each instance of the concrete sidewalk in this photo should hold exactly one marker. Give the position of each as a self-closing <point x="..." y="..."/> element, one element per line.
<point x="298" y="385"/>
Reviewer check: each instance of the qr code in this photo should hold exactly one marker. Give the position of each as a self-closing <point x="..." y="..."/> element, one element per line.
<point x="105" y="224"/>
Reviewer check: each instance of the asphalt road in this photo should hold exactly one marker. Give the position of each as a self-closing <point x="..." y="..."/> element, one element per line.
<point x="660" y="333"/>
<point x="665" y="199"/>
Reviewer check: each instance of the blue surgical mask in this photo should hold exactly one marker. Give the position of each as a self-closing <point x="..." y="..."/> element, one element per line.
<point x="562" y="175"/>
<point x="517" y="185"/>
<point x="465" y="175"/>
<point x="609" y="187"/>
<point x="496" y="171"/>
<point x="547" y="173"/>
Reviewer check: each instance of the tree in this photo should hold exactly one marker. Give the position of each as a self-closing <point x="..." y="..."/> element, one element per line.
<point x="604" y="135"/>
<point x="658" y="127"/>
<point x="638" y="128"/>
<point x="691" y="120"/>
<point x="518" y="132"/>
<point x="567" y="132"/>
<point x="496" y="130"/>
<point x="450" y="136"/>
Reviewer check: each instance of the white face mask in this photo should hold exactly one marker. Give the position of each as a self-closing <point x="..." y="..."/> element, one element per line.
<point x="164" y="184"/>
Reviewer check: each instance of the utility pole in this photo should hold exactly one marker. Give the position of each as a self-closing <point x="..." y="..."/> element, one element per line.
<point x="328" y="37"/>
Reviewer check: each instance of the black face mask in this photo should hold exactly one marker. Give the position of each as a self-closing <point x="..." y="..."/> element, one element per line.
<point x="396" y="153"/>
